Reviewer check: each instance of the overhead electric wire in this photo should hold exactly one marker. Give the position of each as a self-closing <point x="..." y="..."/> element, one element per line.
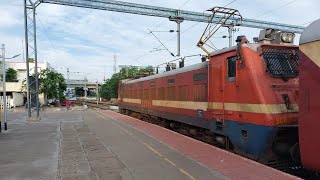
<point x="192" y="26"/>
<point x="46" y="34"/>
<point x="161" y="43"/>
<point x="195" y="24"/>
<point x="159" y="26"/>
<point x="184" y="4"/>
<point x="308" y="22"/>
<point x="230" y="3"/>
<point x="276" y="9"/>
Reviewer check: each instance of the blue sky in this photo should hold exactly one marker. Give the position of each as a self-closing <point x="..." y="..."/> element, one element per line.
<point x="85" y="40"/>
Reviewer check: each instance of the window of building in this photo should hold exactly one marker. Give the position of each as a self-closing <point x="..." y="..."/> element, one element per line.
<point x="232" y="68"/>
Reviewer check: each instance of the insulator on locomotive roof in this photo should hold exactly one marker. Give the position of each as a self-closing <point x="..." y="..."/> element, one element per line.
<point x="181" y="64"/>
<point x="242" y="39"/>
<point x="255" y="39"/>
<point x="167" y="67"/>
<point x="203" y="58"/>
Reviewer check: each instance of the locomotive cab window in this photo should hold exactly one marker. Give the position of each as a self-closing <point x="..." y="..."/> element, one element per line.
<point x="232" y="68"/>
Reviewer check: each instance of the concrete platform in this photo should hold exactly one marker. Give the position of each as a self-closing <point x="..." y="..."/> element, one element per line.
<point x="107" y="145"/>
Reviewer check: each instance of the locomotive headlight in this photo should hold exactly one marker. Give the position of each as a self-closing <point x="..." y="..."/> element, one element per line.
<point x="287" y="37"/>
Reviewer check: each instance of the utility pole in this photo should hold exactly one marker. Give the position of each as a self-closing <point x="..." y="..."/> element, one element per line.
<point x="4" y="87"/>
<point x="97" y="93"/>
<point x="230" y="31"/>
<point x="85" y="89"/>
<point x="178" y="20"/>
<point x="0" y="107"/>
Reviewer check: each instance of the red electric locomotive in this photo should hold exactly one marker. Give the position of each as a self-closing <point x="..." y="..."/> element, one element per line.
<point x="243" y="98"/>
<point x="309" y="104"/>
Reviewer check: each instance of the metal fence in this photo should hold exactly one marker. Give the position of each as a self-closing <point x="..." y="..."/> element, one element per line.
<point x="9" y="102"/>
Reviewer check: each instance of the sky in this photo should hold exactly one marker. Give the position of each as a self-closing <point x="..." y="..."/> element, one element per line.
<point x="86" y="40"/>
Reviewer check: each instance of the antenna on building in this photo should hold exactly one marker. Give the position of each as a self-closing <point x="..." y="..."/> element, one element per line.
<point x="114" y="63"/>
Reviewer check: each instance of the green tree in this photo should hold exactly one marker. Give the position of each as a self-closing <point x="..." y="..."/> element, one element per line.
<point x="110" y="88"/>
<point x="52" y="84"/>
<point x="31" y="60"/>
<point x="79" y="91"/>
<point x="11" y="75"/>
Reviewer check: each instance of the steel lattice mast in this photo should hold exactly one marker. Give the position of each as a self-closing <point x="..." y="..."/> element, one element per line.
<point x="141" y="9"/>
<point x="31" y="56"/>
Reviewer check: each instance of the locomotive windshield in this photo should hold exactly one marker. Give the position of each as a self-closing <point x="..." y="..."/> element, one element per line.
<point x="281" y="62"/>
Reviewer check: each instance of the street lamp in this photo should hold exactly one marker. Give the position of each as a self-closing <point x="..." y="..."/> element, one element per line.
<point x="4" y="86"/>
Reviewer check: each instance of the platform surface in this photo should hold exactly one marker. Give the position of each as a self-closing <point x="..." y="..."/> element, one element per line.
<point x="107" y="145"/>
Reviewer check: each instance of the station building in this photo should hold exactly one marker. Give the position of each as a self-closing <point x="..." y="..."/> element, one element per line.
<point x="16" y="94"/>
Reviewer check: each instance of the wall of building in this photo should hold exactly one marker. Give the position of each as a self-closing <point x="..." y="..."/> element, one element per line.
<point x="22" y="68"/>
<point x="12" y="87"/>
<point x="18" y="99"/>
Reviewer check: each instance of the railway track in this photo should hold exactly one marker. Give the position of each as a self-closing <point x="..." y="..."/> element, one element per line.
<point x="100" y="105"/>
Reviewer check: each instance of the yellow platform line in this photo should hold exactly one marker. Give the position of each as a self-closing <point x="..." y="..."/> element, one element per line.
<point x="170" y="162"/>
<point x="187" y="174"/>
<point x="155" y="151"/>
<point x="122" y="128"/>
<point x="116" y="125"/>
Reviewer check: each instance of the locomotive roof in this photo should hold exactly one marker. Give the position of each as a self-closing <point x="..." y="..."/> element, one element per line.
<point x="170" y="73"/>
<point x="220" y="51"/>
<point x="311" y="33"/>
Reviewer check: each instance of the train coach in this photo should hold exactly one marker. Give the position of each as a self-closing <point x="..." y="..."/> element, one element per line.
<point x="309" y="113"/>
<point x="243" y="98"/>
